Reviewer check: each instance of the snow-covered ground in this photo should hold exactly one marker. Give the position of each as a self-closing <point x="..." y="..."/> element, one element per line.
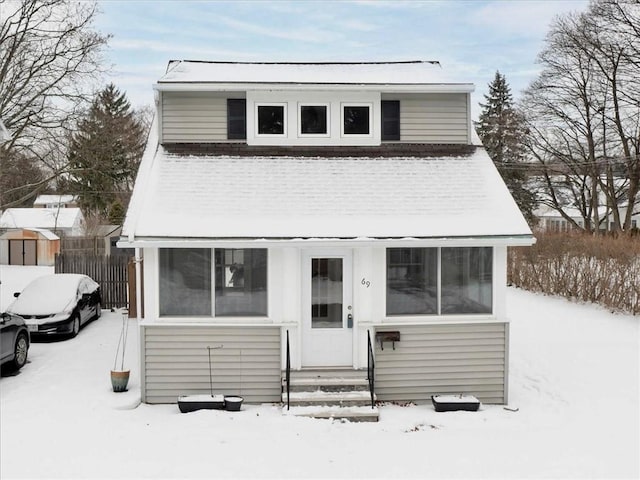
<point x="574" y="380"/>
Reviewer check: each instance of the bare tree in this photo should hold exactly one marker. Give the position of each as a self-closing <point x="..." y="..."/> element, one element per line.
<point x="583" y="115"/>
<point x="50" y="55"/>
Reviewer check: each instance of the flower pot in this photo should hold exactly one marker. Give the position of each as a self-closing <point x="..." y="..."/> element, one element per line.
<point x="233" y="404"/>
<point x="119" y="380"/>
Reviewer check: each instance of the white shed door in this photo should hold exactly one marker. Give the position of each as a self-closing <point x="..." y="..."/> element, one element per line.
<point x="327" y="330"/>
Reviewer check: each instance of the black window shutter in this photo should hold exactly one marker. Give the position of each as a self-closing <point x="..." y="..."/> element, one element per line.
<point x="390" y="119"/>
<point x="236" y="118"/>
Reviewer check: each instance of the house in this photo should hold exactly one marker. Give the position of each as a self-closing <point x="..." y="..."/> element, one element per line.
<point x="55" y="201"/>
<point x="550" y="220"/>
<point x="320" y="215"/>
<point x="61" y="221"/>
<point x="29" y="246"/>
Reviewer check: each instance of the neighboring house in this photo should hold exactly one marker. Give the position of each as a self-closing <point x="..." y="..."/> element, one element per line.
<point x="61" y="221"/>
<point x="56" y="201"/>
<point x="326" y="203"/>
<point x="29" y="246"/>
<point x="550" y="220"/>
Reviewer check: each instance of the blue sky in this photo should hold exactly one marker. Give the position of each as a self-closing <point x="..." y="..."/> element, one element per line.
<point x="471" y="39"/>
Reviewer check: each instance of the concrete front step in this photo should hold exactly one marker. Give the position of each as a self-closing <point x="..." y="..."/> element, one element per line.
<point x="323" y="398"/>
<point x="303" y="384"/>
<point x="352" y="414"/>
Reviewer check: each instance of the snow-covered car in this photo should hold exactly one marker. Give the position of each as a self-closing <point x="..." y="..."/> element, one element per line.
<point x="14" y="340"/>
<point x="58" y="304"/>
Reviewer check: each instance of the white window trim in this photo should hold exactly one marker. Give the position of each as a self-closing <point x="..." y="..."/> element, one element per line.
<point x="314" y="135"/>
<point x="257" y="105"/>
<point x="356" y="104"/>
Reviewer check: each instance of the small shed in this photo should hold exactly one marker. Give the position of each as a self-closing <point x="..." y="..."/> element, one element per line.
<point x="29" y="246"/>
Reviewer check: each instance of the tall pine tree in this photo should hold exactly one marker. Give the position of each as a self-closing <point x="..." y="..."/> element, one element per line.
<point x="501" y="129"/>
<point x="105" y="152"/>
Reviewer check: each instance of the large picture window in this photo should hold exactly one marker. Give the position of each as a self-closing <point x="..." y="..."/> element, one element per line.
<point x="412" y="281"/>
<point x="186" y="278"/>
<point x="271" y="119"/>
<point x="241" y="282"/>
<point x="185" y="281"/>
<point x="467" y="280"/>
<point x="429" y="281"/>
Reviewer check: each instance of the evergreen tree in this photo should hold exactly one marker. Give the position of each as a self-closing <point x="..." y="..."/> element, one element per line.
<point x="501" y="129"/>
<point x="116" y="213"/>
<point x="104" y="153"/>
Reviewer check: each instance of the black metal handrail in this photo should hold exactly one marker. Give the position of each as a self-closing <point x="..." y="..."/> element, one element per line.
<point x="371" y="369"/>
<point x="288" y="371"/>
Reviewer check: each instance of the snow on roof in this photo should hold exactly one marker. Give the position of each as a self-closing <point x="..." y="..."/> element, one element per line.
<point x="52" y="218"/>
<point x="374" y="73"/>
<point x="57" y="199"/>
<point x="314" y="197"/>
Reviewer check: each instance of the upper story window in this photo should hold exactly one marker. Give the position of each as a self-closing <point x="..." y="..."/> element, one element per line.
<point x="390" y="119"/>
<point x="431" y="281"/>
<point x="236" y="118"/>
<point x="356" y="119"/>
<point x="271" y="119"/>
<point x="313" y="120"/>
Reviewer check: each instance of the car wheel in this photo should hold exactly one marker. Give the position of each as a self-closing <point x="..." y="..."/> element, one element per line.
<point x="98" y="311"/>
<point x="75" y="325"/>
<point x="21" y="351"/>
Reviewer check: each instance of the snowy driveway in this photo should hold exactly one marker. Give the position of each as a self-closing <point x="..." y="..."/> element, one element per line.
<point x="574" y="379"/>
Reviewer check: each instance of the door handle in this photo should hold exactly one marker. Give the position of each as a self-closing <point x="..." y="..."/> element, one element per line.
<point x="349" y="321"/>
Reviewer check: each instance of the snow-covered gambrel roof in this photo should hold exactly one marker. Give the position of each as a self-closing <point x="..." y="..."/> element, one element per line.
<point x="283" y="197"/>
<point x="428" y="75"/>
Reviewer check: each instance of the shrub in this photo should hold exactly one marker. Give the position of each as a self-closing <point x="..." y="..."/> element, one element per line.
<point x="602" y="269"/>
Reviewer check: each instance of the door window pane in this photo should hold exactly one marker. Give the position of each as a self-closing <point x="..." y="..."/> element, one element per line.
<point x="185" y="281"/>
<point x="241" y="282"/>
<point x="390" y="119"/>
<point x="412" y="281"/>
<point x="467" y="280"/>
<point x="313" y="119"/>
<point x="326" y="293"/>
<point x="236" y="118"/>
<point x="270" y="119"/>
<point x="356" y="120"/>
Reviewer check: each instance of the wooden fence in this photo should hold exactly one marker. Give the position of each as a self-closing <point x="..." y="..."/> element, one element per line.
<point x="110" y="272"/>
<point x="82" y="245"/>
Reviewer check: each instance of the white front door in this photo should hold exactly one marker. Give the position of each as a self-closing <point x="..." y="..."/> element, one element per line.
<point x="327" y="316"/>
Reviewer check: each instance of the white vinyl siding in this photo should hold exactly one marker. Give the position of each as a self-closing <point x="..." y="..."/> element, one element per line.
<point x="433" y="117"/>
<point x="468" y="358"/>
<point x="176" y="362"/>
<point x="193" y="117"/>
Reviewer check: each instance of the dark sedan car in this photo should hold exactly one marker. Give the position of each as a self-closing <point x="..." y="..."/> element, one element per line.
<point x="58" y="304"/>
<point x="14" y="340"/>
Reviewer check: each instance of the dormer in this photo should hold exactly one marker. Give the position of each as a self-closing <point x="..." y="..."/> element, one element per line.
<point x="312" y="104"/>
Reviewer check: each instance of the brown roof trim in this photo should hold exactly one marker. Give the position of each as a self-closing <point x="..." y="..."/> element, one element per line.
<point x="383" y="150"/>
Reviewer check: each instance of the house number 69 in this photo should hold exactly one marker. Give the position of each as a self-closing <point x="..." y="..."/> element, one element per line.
<point x="365" y="282"/>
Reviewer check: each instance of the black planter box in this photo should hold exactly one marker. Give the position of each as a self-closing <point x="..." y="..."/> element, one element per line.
<point x="191" y="403"/>
<point x="451" y="403"/>
<point x="233" y="403"/>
